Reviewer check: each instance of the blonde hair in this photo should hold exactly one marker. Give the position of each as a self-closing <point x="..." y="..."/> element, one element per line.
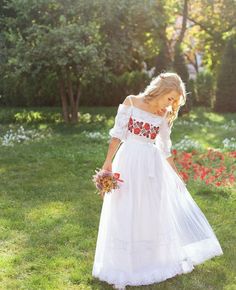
<point x="163" y="84"/>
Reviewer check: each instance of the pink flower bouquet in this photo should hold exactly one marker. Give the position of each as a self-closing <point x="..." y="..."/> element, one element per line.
<point x="105" y="181"/>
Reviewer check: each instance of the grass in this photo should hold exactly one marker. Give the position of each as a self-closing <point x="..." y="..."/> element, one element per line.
<point x="49" y="211"/>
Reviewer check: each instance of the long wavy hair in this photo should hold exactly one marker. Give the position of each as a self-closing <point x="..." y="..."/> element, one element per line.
<point x="163" y="84"/>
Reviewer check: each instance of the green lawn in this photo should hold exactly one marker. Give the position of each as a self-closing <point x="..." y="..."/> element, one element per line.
<point x="50" y="213"/>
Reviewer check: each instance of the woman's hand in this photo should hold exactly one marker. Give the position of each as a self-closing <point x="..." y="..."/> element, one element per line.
<point x="106" y="166"/>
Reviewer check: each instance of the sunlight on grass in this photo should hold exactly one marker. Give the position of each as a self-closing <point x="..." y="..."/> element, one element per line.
<point x="2" y="170"/>
<point x="11" y="247"/>
<point x="43" y="126"/>
<point x="53" y="210"/>
<point x="214" y="117"/>
<point x="49" y="212"/>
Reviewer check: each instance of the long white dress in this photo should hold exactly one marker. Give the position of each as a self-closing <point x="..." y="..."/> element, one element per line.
<point x="150" y="228"/>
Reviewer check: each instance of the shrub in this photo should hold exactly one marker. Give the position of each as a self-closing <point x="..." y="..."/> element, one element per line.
<point x="205" y="88"/>
<point x="226" y="84"/>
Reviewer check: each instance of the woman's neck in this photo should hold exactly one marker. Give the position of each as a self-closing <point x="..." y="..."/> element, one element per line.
<point x="151" y="105"/>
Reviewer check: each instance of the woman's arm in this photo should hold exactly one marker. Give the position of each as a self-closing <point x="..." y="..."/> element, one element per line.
<point x="172" y="163"/>
<point x="112" y="148"/>
<point x="118" y="132"/>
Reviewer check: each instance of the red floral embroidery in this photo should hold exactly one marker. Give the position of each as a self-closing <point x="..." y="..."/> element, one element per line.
<point x="142" y="129"/>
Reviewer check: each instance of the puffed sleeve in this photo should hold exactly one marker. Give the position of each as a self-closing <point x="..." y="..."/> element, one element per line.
<point x="163" y="141"/>
<point x="120" y="128"/>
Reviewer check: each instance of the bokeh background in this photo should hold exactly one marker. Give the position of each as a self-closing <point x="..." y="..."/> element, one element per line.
<point x="64" y="68"/>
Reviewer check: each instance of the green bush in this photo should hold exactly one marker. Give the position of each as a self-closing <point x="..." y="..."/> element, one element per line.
<point x="226" y="84"/>
<point x="28" y="91"/>
<point x="192" y="92"/>
<point x="205" y="89"/>
<point x="110" y="90"/>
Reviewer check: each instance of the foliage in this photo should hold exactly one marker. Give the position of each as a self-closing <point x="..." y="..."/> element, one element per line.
<point x="221" y="171"/>
<point x="20" y="135"/>
<point x="207" y="34"/>
<point x="181" y="68"/>
<point x="60" y="39"/>
<point x="192" y="91"/>
<point x="226" y="84"/>
<point x="205" y="87"/>
<point x="83" y="52"/>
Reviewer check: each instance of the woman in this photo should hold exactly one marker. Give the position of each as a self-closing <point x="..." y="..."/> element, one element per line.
<point x="150" y="228"/>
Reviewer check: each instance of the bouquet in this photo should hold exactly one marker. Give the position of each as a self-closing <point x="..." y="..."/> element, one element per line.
<point x="105" y="181"/>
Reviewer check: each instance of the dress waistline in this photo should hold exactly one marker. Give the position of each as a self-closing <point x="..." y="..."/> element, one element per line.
<point x="151" y="160"/>
<point x="142" y="139"/>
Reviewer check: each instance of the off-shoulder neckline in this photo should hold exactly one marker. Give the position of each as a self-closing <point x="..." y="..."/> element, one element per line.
<point x="149" y="113"/>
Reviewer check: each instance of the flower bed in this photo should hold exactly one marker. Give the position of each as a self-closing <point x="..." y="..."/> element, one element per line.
<point x="210" y="167"/>
<point x="21" y="135"/>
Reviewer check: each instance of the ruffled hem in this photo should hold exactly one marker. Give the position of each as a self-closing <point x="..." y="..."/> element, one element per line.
<point x="186" y="266"/>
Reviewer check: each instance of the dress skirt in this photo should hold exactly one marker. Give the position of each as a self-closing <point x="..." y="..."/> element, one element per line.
<point x="150" y="228"/>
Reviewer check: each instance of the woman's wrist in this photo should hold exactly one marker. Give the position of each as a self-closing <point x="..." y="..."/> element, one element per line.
<point x="108" y="160"/>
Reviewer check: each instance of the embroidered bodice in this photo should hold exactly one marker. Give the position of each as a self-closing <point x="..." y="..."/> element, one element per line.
<point x="142" y="128"/>
<point x="134" y="123"/>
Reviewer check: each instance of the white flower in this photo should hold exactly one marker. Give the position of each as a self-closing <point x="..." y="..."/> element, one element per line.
<point x="186" y="143"/>
<point x="21" y="135"/>
<point x="229" y="126"/>
<point x="95" y="135"/>
<point x="229" y="143"/>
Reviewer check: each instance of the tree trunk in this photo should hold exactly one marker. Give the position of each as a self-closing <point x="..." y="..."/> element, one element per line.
<point x="64" y="102"/>
<point x="184" y="23"/>
<point x="74" y="99"/>
<point x="77" y="97"/>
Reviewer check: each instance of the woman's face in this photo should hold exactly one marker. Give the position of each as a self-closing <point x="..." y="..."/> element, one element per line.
<point x="167" y="100"/>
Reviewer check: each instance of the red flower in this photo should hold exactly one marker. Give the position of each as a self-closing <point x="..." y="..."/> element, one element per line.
<point x="147" y="126"/>
<point x="142" y="129"/>
<point x="117" y="176"/>
<point x="153" y="135"/>
<point x="232" y="154"/>
<point x="184" y="175"/>
<point x="174" y="152"/>
<point x="137" y="130"/>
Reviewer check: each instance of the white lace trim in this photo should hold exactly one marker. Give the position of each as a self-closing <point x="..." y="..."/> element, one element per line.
<point x="186" y="266"/>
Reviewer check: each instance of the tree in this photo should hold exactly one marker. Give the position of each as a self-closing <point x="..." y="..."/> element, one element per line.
<point x="226" y="85"/>
<point x="58" y="38"/>
<point x="214" y="20"/>
<point x="179" y="63"/>
<point x="205" y="87"/>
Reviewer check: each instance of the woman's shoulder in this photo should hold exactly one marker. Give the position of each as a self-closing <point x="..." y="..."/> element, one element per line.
<point x="130" y="100"/>
<point x="126" y="106"/>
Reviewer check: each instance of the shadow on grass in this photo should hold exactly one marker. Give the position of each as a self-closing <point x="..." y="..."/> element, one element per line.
<point x="203" y="114"/>
<point x="50" y="214"/>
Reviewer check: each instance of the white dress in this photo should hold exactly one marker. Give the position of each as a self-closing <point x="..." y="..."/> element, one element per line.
<point x="150" y="228"/>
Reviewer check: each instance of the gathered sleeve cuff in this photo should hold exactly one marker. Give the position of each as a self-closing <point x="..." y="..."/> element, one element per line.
<point x="163" y="140"/>
<point x="120" y="128"/>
